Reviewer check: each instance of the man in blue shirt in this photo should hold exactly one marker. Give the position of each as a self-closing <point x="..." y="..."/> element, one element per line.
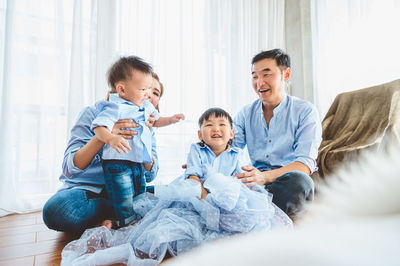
<point x="282" y="134"/>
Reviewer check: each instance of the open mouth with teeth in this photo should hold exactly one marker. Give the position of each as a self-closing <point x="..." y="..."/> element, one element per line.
<point x="216" y="136"/>
<point x="262" y="91"/>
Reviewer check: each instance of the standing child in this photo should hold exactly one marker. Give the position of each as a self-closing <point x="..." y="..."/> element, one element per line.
<point x="130" y="79"/>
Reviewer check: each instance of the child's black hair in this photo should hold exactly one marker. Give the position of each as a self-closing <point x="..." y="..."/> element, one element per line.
<point x="122" y="69"/>
<point x="217" y="112"/>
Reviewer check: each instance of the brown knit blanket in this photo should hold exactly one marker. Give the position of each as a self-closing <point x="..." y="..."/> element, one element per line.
<point x="357" y="120"/>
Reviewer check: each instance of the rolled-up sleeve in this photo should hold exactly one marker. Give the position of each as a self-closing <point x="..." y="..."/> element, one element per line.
<point x="308" y="138"/>
<point x="80" y="135"/>
<point x="194" y="165"/>
<point x="239" y="125"/>
<point x="108" y="115"/>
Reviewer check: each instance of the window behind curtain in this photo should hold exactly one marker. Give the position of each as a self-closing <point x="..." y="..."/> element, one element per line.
<point x="202" y="52"/>
<point x="355" y="45"/>
<point x="36" y="47"/>
<point x="54" y="56"/>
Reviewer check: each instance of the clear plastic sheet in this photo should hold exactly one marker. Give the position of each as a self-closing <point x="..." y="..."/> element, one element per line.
<point x="176" y="220"/>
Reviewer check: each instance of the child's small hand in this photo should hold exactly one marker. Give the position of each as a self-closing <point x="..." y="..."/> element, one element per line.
<point x="119" y="144"/>
<point x="150" y="121"/>
<point x="176" y="118"/>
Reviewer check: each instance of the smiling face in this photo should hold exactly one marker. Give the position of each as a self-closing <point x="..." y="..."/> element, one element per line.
<point x="216" y="133"/>
<point x="155" y="93"/>
<point x="269" y="81"/>
<point x="136" y="88"/>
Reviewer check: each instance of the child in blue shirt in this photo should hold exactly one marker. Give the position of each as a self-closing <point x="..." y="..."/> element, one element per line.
<point x="124" y="160"/>
<point x="215" y="148"/>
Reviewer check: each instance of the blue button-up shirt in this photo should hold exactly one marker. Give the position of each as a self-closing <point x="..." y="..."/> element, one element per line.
<point x="91" y="178"/>
<point x="293" y="135"/>
<point x="117" y="108"/>
<point x="228" y="163"/>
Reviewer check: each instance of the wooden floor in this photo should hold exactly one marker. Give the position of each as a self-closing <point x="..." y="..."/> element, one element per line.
<point x="25" y="240"/>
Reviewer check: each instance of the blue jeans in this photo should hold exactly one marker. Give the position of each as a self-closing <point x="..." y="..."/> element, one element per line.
<point x="124" y="180"/>
<point x="74" y="210"/>
<point x="292" y="193"/>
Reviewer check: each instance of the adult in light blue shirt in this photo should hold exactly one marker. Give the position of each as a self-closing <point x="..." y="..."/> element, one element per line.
<point x="282" y="134"/>
<point x="82" y="201"/>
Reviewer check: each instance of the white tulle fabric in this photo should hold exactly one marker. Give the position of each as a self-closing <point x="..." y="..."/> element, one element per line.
<point x="175" y="220"/>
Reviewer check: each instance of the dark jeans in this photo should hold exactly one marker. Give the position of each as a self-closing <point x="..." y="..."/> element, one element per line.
<point x="292" y="192"/>
<point x="124" y="180"/>
<point x="74" y="210"/>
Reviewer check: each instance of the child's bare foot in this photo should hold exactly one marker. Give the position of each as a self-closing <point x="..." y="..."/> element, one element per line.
<point x="107" y="223"/>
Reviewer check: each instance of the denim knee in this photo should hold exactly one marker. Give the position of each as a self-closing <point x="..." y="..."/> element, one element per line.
<point x="301" y="183"/>
<point x="75" y="210"/>
<point x="292" y="192"/>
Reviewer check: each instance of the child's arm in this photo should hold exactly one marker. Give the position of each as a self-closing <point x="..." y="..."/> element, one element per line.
<point x="166" y="121"/>
<point x="203" y="190"/>
<point x="115" y="141"/>
<point x="194" y="168"/>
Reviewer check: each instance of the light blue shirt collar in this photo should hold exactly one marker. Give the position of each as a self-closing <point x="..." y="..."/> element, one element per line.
<point x="228" y="162"/>
<point x="279" y="107"/>
<point x="115" y="98"/>
<point x="230" y="148"/>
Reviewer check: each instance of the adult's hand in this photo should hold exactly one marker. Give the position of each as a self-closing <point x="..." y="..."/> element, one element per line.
<point x="253" y="176"/>
<point x="121" y="128"/>
<point x="148" y="166"/>
<point x="150" y="121"/>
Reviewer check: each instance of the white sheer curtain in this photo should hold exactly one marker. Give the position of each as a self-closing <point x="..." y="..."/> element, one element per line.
<point x="48" y="73"/>
<point x="355" y="45"/>
<point x="34" y="59"/>
<point x="202" y="52"/>
<point x="54" y="56"/>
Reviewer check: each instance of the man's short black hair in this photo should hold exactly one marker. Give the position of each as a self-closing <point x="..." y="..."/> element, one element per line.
<point x="282" y="59"/>
<point x="122" y="69"/>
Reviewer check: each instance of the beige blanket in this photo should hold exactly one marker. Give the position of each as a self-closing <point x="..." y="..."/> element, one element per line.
<point x="357" y="120"/>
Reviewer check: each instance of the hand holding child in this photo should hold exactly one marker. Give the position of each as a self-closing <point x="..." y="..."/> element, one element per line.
<point x="150" y="121"/>
<point x="123" y="128"/>
<point x="252" y="176"/>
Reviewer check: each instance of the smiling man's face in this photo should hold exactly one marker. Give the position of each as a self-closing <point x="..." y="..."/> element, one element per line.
<point x="269" y="81"/>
